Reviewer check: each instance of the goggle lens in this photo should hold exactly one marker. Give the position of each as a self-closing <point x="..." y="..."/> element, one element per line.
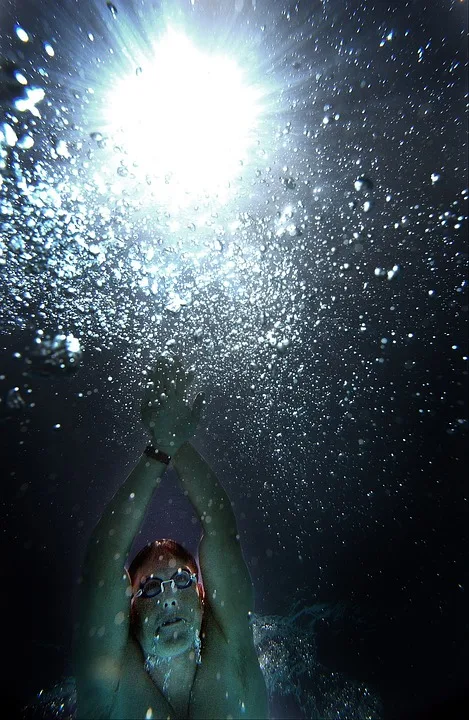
<point x="153" y="586"/>
<point x="182" y="579"/>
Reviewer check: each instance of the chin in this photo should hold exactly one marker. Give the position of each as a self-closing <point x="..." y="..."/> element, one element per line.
<point x="173" y="641"/>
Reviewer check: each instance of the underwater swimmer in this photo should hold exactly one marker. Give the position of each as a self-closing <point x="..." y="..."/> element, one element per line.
<point x="157" y="640"/>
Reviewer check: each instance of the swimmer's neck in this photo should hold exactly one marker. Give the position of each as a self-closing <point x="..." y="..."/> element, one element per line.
<point x="174" y="677"/>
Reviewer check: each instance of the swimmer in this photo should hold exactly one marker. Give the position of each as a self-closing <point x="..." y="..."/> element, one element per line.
<point x="160" y="640"/>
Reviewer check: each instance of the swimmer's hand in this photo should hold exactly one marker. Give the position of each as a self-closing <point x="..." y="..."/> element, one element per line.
<point x="170" y="419"/>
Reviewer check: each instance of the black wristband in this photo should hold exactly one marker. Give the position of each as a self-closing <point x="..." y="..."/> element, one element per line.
<point x="159" y="455"/>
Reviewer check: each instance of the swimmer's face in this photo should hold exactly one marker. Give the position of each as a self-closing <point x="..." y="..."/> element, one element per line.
<point x="168" y="623"/>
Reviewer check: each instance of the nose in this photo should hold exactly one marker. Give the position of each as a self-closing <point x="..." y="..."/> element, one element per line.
<point x="169" y="603"/>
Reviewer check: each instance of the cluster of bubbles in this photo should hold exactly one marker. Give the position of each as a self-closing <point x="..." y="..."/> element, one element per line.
<point x="288" y="657"/>
<point x="277" y="296"/>
<point x="287" y="280"/>
<point x="60" y="354"/>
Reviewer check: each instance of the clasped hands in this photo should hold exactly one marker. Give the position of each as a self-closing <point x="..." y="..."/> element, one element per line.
<point x="167" y="414"/>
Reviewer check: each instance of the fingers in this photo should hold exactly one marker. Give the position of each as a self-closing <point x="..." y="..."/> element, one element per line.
<point x="161" y="377"/>
<point x="167" y="366"/>
<point x="163" y="369"/>
<point x="169" y="376"/>
<point x="197" y="406"/>
<point x="183" y="381"/>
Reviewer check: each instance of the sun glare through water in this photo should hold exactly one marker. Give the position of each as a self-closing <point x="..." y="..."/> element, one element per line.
<point x="186" y="118"/>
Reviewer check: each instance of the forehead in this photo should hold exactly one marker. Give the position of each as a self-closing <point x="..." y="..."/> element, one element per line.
<point x="163" y="564"/>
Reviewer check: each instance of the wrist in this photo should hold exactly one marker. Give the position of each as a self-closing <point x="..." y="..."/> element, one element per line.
<point x="170" y="445"/>
<point x="157" y="453"/>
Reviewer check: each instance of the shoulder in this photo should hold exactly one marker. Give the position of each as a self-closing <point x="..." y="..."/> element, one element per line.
<point x="229" y="671"/>
<point x="223" y="642"/>
<point x="136" y="691"/>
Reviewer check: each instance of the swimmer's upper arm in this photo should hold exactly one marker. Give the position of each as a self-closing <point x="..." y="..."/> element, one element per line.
<point x="101" y="633"/>
<point x="228" y="586"/>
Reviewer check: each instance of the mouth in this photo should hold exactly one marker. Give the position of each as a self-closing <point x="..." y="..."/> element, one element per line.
<point x="170" y="622"/>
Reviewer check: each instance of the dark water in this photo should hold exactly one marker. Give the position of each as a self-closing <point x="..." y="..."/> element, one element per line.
<point x="345" y="451"/>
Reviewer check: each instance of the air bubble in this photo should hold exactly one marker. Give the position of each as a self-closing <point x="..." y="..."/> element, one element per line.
<point x="21" y="34"/>
<point x="363" y="184"/>
<point x="20" y="78"/>
<point x="25" y="143"/>
<point x="9" y="135"/>
<point x="112" y="9"/>
<point x="13" y="399"/>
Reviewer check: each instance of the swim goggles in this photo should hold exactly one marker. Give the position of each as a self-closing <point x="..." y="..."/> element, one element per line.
<point x="151" y="586"/>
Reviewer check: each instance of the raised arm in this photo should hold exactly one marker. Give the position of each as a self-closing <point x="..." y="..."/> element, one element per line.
<point x="104" y="597"/>
<point x="228" y="587"/>
<point x="104" y="600"/>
